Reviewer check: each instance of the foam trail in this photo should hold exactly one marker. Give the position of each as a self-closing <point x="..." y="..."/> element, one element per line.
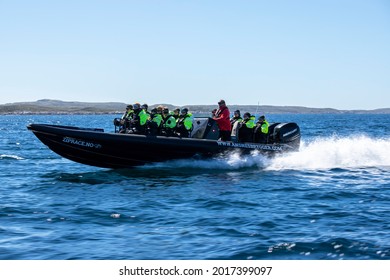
<point x="10" y="157"/>
<point x="347" y="152"/>
<point x="231" y="161"/>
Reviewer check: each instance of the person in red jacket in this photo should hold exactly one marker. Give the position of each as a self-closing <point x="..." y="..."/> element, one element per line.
<point x="222" y="117"/>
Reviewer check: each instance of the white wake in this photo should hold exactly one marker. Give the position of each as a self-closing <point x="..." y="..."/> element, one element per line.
<point x="346" y="152"/>
<point x="321" y="153"/>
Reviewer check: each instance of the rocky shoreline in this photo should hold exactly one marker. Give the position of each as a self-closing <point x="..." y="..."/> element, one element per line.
<point x="57" y="107"/>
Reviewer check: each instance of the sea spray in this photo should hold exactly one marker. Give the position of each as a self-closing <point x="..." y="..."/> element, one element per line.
<point x="319" y="153"/>
<point x="229" y="161"/>
<point x="327" y="153"/>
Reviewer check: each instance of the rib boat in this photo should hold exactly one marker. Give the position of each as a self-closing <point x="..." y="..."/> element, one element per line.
<point x="95" y="147"/>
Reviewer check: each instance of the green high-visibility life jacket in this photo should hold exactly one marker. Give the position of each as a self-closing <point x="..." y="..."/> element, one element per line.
<point x="250" y="123"/>
<point x="264" y="127"/>
<point x="170" y="122"/>
<point x="157" y="118"/>
<point x="143" y="117"/>
<point x="187" y="121"/>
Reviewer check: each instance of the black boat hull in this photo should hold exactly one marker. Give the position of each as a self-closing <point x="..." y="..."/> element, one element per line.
<point x="115" y="150"/>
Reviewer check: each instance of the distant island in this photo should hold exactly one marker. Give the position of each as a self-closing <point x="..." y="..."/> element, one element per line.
<point x="48" y="106"/>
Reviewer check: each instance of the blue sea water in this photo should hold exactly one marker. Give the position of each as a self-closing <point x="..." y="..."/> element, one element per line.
<point x="330" y="200"/>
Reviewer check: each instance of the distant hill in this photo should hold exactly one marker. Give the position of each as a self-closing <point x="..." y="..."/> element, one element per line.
<point x="48" y="106"/>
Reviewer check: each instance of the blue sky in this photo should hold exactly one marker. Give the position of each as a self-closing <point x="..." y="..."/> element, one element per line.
<point x="304" y="53"/>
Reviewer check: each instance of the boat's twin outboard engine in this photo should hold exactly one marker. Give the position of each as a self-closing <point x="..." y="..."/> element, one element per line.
<point x="284" y="133"/>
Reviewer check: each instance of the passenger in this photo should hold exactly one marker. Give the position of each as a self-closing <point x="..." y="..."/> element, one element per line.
<point x="128" y="112"/>
<point x="154" y="124"/>
<point x="235" y="124"/>
<point x="184" y="124"/>
<point x="213" y="113"/>
<point x="124" y="122"/>
<point x="138" y="122"/>
<point x="169" y="123"/>
<point x="236" y="118"/>
<point x="160" y="109"/>
<point x="222" y="117"/>
<point x="176" y="114"/>
<point x="245" y="131"/>
<point x="145" y="108"/>
<point x="261" y="130"/>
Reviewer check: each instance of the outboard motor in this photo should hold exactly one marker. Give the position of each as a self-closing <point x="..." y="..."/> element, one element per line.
<point x="286" y="133"/>
<point x="205" y="128"/>
<point x="271" y="129"/>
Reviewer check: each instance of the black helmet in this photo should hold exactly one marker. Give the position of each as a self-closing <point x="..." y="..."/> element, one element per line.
<point x="247" y="115"/>
<point x="154" y="111"/>
<point x="129" y="107"/>
<point x="184" y="111"/>
<point x="261" y="118"/>
<point x="166" y="111"/>
<point x="144" y="106"/>
<point x="136" y="106"/>
<point x="237" y="112"/>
